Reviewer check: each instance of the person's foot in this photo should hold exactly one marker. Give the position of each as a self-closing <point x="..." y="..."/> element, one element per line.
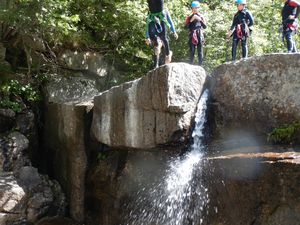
<point x="169" y="58"/>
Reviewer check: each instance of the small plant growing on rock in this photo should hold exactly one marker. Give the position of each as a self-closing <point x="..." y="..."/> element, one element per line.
<point x="287" y="134"/>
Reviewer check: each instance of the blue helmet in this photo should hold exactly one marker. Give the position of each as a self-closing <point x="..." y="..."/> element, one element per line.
<point x="195" y="4"/>
<point x="240" y="2"/>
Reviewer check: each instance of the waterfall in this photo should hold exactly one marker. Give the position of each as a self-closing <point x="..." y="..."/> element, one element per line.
<point x="179" y="198"/>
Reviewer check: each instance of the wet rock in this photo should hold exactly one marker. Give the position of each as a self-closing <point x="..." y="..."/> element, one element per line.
<point x="117" y="177"/>
<point x="154" y="110"/>
<point x="254" y="188"/>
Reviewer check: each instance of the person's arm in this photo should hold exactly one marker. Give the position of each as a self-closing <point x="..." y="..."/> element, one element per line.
<point x="148" y="41"/>
<point x="233" y="25"/>
<point x="203" y="22"/>
<point x="170" y="21"/>
<point x="250" y="19"/>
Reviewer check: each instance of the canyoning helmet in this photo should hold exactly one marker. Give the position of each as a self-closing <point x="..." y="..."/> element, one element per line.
<point x="195" y="4"/>
<point x="240" y="2"/>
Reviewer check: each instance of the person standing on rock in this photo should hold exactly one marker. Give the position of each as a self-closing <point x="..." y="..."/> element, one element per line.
<point x="156" y="32"/>
<point x="196" y="23"/>
<point x="289" y="13"/>
<point x="241" y="28"/>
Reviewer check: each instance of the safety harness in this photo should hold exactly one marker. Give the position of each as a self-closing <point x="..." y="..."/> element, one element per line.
<point x="157" y="18"/>
<point x="197" y="33"/>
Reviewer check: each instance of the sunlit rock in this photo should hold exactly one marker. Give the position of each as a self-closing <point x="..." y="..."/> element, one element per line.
<point x="153" y="110"/>
<point x="89" y="61"/>
<point x="257" y="94"/>
<point x="62" y="89"/>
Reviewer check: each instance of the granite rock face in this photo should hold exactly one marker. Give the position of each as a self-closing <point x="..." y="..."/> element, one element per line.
<point x="154" y="110"/>
<point x="259" y="93"/>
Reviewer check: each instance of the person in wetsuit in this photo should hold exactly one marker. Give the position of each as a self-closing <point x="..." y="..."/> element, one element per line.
<point x="196" y="23"/>
<point x="156" y="33"/>
<point x="241" y="28"/>
<point x="289" y="13"/>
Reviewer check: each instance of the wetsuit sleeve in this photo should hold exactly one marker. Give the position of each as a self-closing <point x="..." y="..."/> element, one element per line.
<point x="170" y="21"/>
<point x="203" y="22"/>
<point x="147" y="28"/>
<point x="234" y="22"/>
<point x="250" y="19"/>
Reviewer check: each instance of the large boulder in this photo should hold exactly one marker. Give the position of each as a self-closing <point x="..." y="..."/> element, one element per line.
<point x="154" y="110"/>
<point x="257" y="94"/>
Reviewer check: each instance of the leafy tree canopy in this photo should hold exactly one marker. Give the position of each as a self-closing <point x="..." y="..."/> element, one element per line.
<point x="117" y="28"/>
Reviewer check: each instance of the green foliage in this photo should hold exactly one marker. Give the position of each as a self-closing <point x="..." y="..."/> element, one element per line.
<point x="117" y="28"/>
<point x="8" y="104"/>
<point x="12" y="94"/>
<point x="51" y="19"/>
<point x="285" y="134"/>
<point x="102" y="155"/>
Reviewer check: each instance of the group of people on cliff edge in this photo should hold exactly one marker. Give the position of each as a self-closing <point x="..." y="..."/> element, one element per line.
<point x="159" y="20"/>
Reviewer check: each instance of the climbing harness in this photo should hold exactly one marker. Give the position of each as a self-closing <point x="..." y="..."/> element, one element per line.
<point x="157" y="18"/>
<point x="239" y="31"/>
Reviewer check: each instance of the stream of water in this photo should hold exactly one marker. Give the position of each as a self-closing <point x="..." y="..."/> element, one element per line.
<point x="180" y="196"/>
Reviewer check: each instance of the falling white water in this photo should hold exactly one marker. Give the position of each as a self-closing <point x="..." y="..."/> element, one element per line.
<point x="180" y="197"/>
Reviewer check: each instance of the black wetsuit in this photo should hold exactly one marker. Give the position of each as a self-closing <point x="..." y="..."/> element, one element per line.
<point x="242" y="19"/>
<point x="195" y="35"/>
<point x="157" y="7"/>
<point x="290" y="8"/>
